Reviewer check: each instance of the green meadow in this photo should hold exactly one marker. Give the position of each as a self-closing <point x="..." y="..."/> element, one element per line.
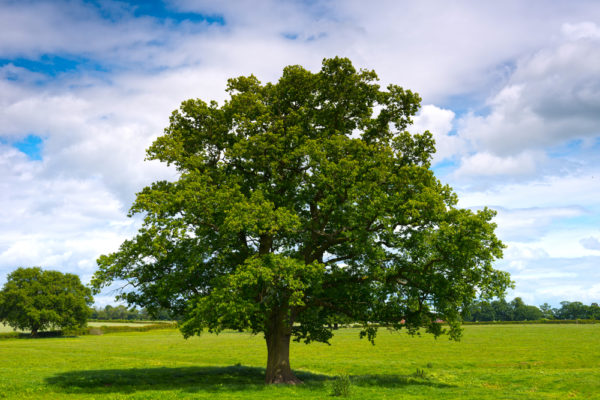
<point x="6" y="328"/>
<point x="490" y="362"/>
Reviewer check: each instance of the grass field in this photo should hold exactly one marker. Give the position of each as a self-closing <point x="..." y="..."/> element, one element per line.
<point x="491" y="362"/>
<point x="4" y="329"/>
<point x="108" y="323"/>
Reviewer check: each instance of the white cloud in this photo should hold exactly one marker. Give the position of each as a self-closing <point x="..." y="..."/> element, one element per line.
<point x="439" y="122"/>
<point x="552" y="280"/>
<point x="586" y="293"/>
<point x="487" y="164"/>
<point x="590" y="243"/>
<point x="55" y="222"/>
<point x="552" y="97"/>
<point x="582" y="30"/>
<point x="531" y="224"/>
<point x="79" y="28"/>
<point x="576" y="189"/>
<point x="541" y="82"/>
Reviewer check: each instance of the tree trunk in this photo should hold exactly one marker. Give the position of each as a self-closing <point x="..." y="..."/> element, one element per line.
<point x="278" y="359"/>
<point x="34" y="332"/>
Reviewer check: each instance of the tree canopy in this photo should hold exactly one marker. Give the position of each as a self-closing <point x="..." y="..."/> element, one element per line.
<point x="501" y="310"/>
<point x="299" y="202"/>
<point x="36" y="300"/>
<point x="517" y="310"/>
<point x="120" y="312"/>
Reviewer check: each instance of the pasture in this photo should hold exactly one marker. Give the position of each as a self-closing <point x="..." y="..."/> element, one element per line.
<point x="491" y="362"/>
<point x="7" y="328"/>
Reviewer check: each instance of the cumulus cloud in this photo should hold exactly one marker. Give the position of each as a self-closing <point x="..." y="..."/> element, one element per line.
<point x="531" y="224"/>
<point x="591" y="243"/>
<point x="127" y="72"/>
<point x="540" y="192"/>
<point x="108" y="33"/>
<point x="54" y="222"/>
<point x="581" y="30"/>
<point x="440" y="122"/>
<point x="555" y="279"/>
<point x="487" y="164"/>
<point x="552" y="97"/>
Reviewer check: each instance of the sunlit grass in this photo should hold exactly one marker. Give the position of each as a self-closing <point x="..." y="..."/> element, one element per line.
<point x="4" y="329"/>
<point x="132" y="323"/>
<point x="508" y="361"/>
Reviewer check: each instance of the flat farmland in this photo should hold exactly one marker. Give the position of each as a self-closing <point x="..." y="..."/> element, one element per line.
<point x="490" y="362"/>
<point x="5" y="329"/>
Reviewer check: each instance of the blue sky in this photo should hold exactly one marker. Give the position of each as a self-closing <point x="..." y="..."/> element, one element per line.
<point x="511" y="92"/>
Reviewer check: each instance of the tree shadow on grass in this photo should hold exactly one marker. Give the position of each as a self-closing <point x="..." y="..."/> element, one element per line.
<point x="40" y="335"/>
<point x="392" y="381"/>
<point x="190" y="379"/>
<point x="205" y="379"/>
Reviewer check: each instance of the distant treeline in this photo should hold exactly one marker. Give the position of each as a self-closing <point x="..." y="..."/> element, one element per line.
<point x="482" y="310"/>
<point x="130" y="314"/>
<point x="517" y="310"/>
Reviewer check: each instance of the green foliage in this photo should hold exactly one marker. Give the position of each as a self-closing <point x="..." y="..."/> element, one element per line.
<point x="123" y="313"/>
<point x="517" y="310"/>
<point x="420" y="373"/>
<point x="576" y="310"/>
<point x="299" y="202"/>
<point x="496" y="310"/>
<point x="118" y="312"/>
<point x="95" y="329"/>
<point x="36" y="300"/>
<point x="340" y="387"/>
<point x="536" y="322"/>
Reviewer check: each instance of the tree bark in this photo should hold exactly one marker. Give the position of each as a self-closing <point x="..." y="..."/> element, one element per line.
<point x="34" y="332"/>
<point x="278" y="355"/>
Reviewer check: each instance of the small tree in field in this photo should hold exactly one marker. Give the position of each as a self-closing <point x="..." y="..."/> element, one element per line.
<point x="299" y="202"/>
<point x="33" y="299"/>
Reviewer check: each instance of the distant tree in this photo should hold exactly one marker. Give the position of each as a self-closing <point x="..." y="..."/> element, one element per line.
<point x="594" y="311"/>
<point x="503" y="310"/>
<point x="517" y="310"/>
<point x="121" y="312"/>
<point x="572" y="310"/>
<point x="110" y="312"/>
<point x="162" y="314"/>
<point x="500" y="310"/>
<point x="300" y="201"/>
<point x="547" y="311"/>
<point x="97" y="313"/>
<point x="34" y="299"/>
<point x="481" y="310"/>
<point x="524" y="312"/>
<point x="517" y="306"/>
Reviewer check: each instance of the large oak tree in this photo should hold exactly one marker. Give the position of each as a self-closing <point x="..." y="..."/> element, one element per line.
<point x="299" y="202"/>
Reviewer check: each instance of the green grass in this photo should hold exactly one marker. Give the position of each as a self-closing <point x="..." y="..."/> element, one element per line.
<point x="133" y="323"/>
<point x="491" y="362"/>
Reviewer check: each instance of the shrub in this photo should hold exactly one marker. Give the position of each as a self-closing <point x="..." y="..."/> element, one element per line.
<point x="341" y="386"/>
<point x="420" y="373"/>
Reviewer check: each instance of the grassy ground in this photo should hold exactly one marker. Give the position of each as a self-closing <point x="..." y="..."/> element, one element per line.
<point x="491" y="362"/>
<point x="133" y="323"/>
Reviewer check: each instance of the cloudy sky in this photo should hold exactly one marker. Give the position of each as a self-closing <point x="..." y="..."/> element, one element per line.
<point x="511" y="91"/>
